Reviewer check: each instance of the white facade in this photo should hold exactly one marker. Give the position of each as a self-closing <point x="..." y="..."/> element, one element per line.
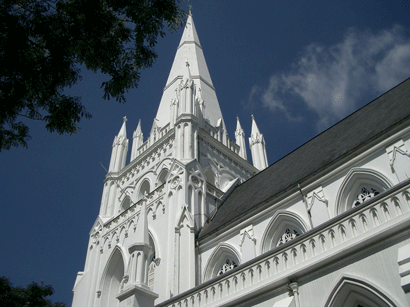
<point x="183" y="224"/>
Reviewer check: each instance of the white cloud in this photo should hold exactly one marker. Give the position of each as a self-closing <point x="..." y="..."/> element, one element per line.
<point x="332" y="81"/>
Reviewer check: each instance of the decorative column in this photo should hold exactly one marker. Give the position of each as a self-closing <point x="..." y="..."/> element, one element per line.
<point x="258" y="148"/>
<point x="200" y="109"/>
<point x="240" y="139"/>
<point x="119" y="149"/>
<point x="137" y="141"/>
<point x="174" y="109"/>
<point x="295" y="289"/>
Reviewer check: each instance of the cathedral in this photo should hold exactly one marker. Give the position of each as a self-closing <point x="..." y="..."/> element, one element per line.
<point x="187" y="221"/>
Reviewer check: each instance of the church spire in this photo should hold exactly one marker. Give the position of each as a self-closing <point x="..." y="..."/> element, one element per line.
<point x="258" y="149"/>
<point x="119" y="149"/>
<point x="240" y="139"/>
<point x="189" y="50"/>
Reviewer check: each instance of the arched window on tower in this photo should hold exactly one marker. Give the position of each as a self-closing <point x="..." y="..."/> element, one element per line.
<point x="162" y="176"/>
<point x="125" y="204"/>
<point x="145" y="188"/>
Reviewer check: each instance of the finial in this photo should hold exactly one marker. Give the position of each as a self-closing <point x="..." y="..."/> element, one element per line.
<point x="190" y="10"/>
<point x="253" y="117"/>
<point x="124" y="119"/>
<point x="187" y="63"/>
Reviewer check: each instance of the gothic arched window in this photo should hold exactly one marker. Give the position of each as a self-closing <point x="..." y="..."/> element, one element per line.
<point x="144" y="189"/>
<point x="125" y="204"/>
<point x="223" y="259"/>
<point x="162" y="176"/>
<point x="283" y="227"/>
<point x="359" y="186"/>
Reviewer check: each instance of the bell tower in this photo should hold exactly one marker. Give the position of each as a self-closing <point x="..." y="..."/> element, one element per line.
<point x="143" y="241"/>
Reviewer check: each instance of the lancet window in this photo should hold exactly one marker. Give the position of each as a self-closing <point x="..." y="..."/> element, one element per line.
<point x="227" y="266"/>
<point x="365" y="194"/>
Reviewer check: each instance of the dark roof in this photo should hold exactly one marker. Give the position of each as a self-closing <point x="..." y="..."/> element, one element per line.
<point x="339" y="141"/>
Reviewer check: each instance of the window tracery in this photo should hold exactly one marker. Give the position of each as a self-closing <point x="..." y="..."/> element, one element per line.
<point x="365" y="195"/>
<point x="227" y="266"/>
<point x="287" y="236"/>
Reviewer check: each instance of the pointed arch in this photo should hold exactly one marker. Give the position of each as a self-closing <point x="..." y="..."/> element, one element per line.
<point x="281" y="224"/>
<point x="145" y="187"/>
<point x="112" y="277"/>
<point x="153" y="241"/>
<point x="125" y="204"/>
<point x="162" y="177"/>
<point x="355" y="181"/>
<point x="351" y="291"/>
<point x="163" y="171"/>
<point x="220" y="256"/>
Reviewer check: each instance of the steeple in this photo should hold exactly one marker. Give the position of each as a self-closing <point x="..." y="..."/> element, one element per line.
<point x="258" y="149"/>
<point x="187" y="165"/>
<point x="119" y="149"/>
<point x="240" y="139"/>
<point x="189" y="51"/>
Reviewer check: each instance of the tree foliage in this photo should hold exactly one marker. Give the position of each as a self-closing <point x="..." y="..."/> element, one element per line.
<point x="32" y="296"/>
<point x="43" y="42"/>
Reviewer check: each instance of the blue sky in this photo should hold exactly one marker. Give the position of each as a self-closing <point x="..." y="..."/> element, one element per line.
<point x="297" y="66"/>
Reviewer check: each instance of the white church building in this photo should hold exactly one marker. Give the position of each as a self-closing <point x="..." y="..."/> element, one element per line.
<point x="187" y="221"/>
